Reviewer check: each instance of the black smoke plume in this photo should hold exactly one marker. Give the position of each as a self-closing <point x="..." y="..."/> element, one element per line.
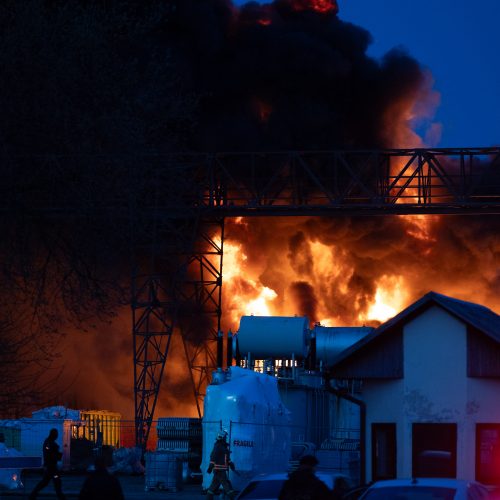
<point x="284" y="76"/>
<point x="93" y="77"/>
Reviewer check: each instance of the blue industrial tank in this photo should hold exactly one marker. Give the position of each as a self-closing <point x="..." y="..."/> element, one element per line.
<point x="278" y="337"/>
<point x="331" y="341"/>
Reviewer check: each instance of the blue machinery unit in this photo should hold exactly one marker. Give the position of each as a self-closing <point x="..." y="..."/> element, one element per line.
<point x="286" y="348"/>
<point x="322" y="420"/>
<point x="283" y="343"/>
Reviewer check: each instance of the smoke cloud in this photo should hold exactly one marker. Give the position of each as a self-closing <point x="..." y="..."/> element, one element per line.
<point x="292" y="75"/>
<point x="302" y="294"/>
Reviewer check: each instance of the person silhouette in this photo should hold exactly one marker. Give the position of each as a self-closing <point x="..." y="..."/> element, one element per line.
<point x="101" y="485"/>
<point x="303" y="482"/>
<point x="51" y="455"/>
<point x="220" y="463"/>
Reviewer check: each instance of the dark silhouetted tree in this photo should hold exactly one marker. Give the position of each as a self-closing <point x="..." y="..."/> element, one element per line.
<point x="87" y="89"/>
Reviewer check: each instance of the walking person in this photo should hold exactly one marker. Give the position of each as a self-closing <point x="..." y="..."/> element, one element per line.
<point x="51" y="455"/>
<point x="101" y="485"/>
<point x="304" y="484"/>
<point x="340" y="488"/>
<point x="220" y="463"/>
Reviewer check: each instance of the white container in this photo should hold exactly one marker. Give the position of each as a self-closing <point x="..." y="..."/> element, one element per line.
<point x="35" y="431"/>
<point x="249" y="407"/>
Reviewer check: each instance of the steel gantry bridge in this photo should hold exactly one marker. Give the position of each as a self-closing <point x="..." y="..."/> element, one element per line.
<point x="195" y="193"/>
<point x="177" y="205"/>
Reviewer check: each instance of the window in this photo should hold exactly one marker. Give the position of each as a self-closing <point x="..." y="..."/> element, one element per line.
<point x="434" y="450"/>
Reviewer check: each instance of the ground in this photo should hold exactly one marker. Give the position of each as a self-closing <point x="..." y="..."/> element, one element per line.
<point x="133" y="488"/>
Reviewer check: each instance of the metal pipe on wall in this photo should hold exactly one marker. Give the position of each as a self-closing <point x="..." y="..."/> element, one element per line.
<point x="220" y="349"/>
<point x="343" y="394"/>
<point x="229" y="349"/>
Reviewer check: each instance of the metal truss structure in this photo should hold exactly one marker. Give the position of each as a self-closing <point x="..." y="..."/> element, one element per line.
<point x="183" y="293"/>
<point x="176" y="206"/>
<point x="412" y="181"/>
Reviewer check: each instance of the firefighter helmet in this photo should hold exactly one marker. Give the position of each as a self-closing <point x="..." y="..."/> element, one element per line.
<point x="222" y="434"/>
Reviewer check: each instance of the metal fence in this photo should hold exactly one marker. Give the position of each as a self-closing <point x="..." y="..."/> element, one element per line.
<point x="174" y="452"/>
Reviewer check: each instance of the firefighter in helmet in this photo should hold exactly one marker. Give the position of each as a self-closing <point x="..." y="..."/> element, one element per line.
<point x="220" y="463"/>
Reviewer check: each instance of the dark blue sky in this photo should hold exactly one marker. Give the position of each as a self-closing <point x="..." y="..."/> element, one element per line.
<point x="459" y="42"/>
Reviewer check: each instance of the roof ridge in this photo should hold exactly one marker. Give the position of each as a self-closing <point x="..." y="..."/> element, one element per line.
<point x="476" y="315"/>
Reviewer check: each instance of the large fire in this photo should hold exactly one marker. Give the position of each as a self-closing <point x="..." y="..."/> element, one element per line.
<point x="316" y="267"/>
<point x="352" y="272"/>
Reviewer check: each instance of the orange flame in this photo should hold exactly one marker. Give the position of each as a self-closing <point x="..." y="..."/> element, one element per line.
<point x="264" y="110"/>
<point x="254" y="288"/>
<point x="390" y="298"/>
<point x="320" y="6"/>
<point x="352" y="272"/>
<point x="246" y="295"/>
<point x="264" y="21"/>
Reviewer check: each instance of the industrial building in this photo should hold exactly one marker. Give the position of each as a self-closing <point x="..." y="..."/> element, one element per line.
<point x="273" y="400"/>
<point x="430" y="381"/>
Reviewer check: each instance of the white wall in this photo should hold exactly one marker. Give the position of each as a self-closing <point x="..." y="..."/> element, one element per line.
<point x="435" y="368"/>
<point x="383" y="405"/>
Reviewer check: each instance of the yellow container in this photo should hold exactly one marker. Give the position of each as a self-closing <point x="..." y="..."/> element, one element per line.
<point x="100" y="426"/>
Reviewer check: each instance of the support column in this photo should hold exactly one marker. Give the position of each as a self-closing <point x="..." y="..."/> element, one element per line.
<point x="184" y="296"/>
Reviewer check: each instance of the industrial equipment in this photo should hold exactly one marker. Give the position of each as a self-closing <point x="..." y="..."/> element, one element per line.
<point x="287" y="355"/>
<point x="248" y="406"/>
